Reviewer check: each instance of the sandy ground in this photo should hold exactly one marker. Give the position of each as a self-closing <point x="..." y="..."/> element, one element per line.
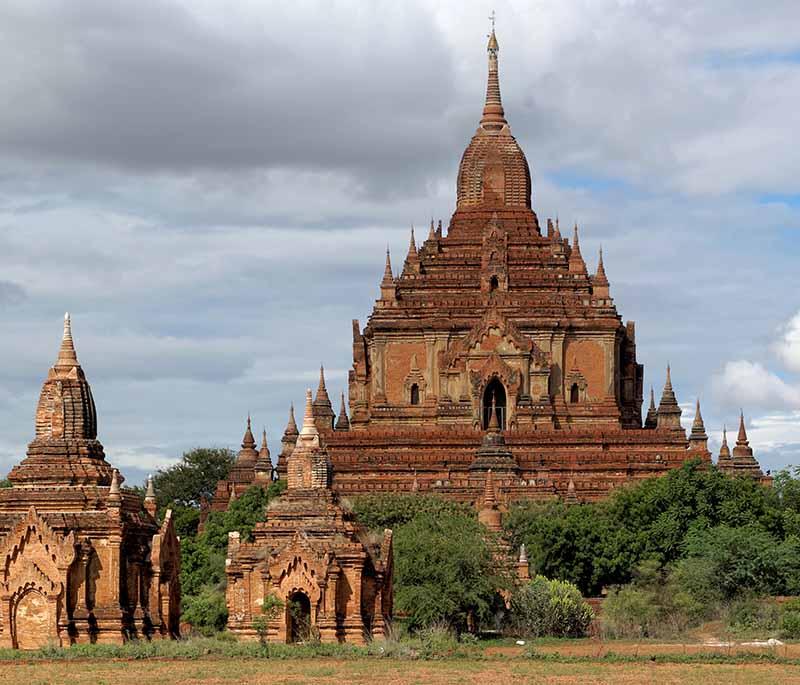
<point x="386" y="672"/>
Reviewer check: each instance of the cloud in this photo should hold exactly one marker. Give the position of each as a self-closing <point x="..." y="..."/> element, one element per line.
<point x="210" y="192"/>
<point x="788" y="347"/>
<point x="749" y="383"/>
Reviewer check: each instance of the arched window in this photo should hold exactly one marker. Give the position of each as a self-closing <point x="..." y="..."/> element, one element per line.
<point x="415" y="394"/>
<point x="494" y="390"/>
<point x="494" y="283"/>
<point x="574" y="393"/>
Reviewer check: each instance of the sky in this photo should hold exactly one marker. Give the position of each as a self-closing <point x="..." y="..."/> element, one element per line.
<point x="209" y="188"/>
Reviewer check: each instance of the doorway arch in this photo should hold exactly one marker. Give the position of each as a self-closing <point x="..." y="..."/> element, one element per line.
<point x="298" y="617"/>
<point x="34" y="620"/>
<point x="494" y="390"/>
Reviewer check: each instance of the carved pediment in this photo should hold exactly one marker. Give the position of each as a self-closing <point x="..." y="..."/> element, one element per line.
<point x="494" y="333"/>
<point x="495" y="367"/>
<point x="35" y="556"/>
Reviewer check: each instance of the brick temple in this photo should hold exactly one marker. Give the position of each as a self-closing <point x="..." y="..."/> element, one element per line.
<point x="84" y="560"/>
<point x="498" y="319"/>
<point x="333" y="578"/>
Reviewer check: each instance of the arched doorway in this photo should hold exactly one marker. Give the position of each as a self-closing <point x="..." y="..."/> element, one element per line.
<point x="414" y="394"/>
<point x="298" y="617"/>
<point x="494" y="390"/>
<point x="34" y="621"/>
<point x="574" y="394"/>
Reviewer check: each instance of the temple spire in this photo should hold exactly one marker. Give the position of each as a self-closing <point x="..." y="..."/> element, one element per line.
<point x="652" y="413"/>
<point x="291" y="425"/>
<point x="388" y="276"/>
<point x="741" y="439"/>
<point x="698" y="440"/>
<point x="493" y="114"/>
<point x="432" y="231"/>
<point x="669" y="413"/>
<point x="343" y="422"/>
<point x="576" y="263"/>
<point x="309" y="429"/>
<point x="412" y="258"/>
<point x="599" y="280"/>
<point x="66" y="354"/>
<point x="323" y="409"/>
<point x="494" y="424"/>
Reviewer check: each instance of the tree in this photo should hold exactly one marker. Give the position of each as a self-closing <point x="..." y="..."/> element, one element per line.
<point x="195" y="476"/>
<point x="445" y="570"/>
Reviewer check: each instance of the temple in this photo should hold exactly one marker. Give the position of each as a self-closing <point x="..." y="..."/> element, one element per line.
<point x="495" y="347"/>
<point x="85" y="560"/>
<point x="333" y="579"/>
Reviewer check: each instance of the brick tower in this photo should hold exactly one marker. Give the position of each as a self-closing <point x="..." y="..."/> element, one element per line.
<point x="85" y="560"/>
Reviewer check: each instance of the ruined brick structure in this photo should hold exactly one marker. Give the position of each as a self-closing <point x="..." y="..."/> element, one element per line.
<point x="498" y="320"/>
<point x="334" y="580"/>
<point x="84" y="559"/>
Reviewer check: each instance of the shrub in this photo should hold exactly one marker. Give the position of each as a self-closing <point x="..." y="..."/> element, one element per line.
<point x="630" y="612"/>
<point x="790" y="619"/>
<point x="552" y="608"/>
<point x="750" y="615"/>
<point x="206" y="611"/>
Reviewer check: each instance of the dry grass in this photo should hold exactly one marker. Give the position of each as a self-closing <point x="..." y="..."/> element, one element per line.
<point x="388" y="672"/>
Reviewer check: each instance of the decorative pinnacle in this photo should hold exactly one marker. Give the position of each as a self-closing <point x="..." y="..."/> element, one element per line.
<point x="494" y="425"/>
<point x="308" y="418"/>
<point x="600" y="278"/>
<point x="248" y="440"/>
<point x="66" y="354"/>
<point x="523" y="554"/>
<point x="741" y="439"/>
<point x="150" y="494"/>
<point x="114" y="491"/>
<point x="493" y="115"/>
<point x="652" y="398"/>
<point x="432" y="231"/>
<point x="412" y="246"/>
<point x="291" y="426"/>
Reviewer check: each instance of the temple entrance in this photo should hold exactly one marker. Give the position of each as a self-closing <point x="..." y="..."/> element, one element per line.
<point x="34" y="621"/>
<point x="494" y="390"/>
<point x="298" y="617"/>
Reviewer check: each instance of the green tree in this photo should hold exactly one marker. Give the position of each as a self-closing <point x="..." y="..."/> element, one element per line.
<point x="554" y="608"/>
<point x="445" y="571"/>
<point x="195" y="476"/>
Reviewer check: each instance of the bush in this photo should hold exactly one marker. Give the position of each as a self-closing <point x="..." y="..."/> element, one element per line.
<point x="206" y="611"/>
<point x="550" y="608"/>
<point x="630" y="612"/>
<point x="751" y="615"/>
<point x="377" y="512"/>
<point x="790" y="619"/>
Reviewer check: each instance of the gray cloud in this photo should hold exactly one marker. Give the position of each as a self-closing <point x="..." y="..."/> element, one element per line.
<point x="210" y="193"/>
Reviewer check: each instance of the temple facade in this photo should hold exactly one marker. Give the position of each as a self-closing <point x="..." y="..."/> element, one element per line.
<point x="498" y="318"/>
<point x="333" y="579"/>
<point x="85" y="560"/>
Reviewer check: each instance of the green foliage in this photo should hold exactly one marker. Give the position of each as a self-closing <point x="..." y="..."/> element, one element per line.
<point x="599" y="545"/>
<point x="790" y="619"/>
<point x="445" y="571"/>
<point x="747" y="559"/>
<point x="270" y="610"/>
<point x="551" y="608"/>
<point x="750" y="615"/>
<point x="195" y="476"/>
<point x="377" y="512"/>
<point x="206" y="610"/>
<point x="203" y="556"/>
<point x="5" y="483"/>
